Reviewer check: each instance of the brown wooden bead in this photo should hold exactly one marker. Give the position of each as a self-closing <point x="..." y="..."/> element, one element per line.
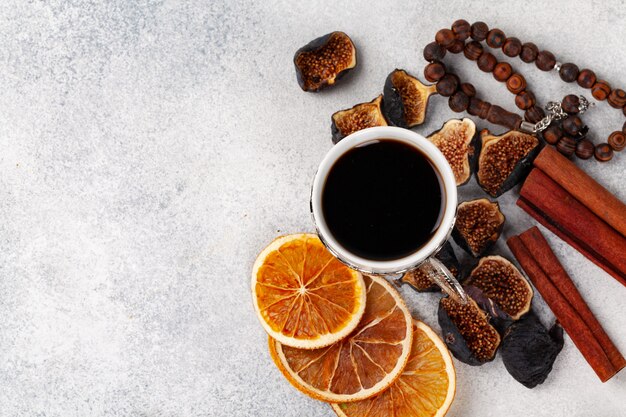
<point x="516" y="83"/>
<point x="479" y="108"/>
<point x="568" y="72"/>
<point x="496" y="38"/>
<point x="445" y="37"/>
<point x="473" y="50"/>
<point x="468" y="89"/>
<point x="566" y="145"/>
<point x="529" y="52"/>
<point x="434" y="52"/>
<point x="447" y="85"/>
<point x="585" y="149"/>
<point x="617" y="98"/>
<point x="499" y="116"/>
<point x="461" y="29"/>
<point x="525" y="100"/>
<point x="545" y="60"/>
<point x="502" y="71"/>
<point x="603" y="152"/>
<point x="434" y="71"/>
<point x="456" y="47"/>
<point x="552" y="134"/>
<point x="458" y="101"/>
<point x="534" y="114"/>
<point x="601" y="90"/>
<point x="487" y="62"/>
<point x="617" y="140"/>
<point x="572" y="125"/>
<point x="586" y="78"/>
<point x="479" y="31"/>
<point x="570" y="104"/>
<point x="512" y="47"/>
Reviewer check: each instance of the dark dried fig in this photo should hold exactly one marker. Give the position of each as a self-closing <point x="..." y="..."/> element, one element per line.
<point x="505" y="160"/>
<point x="501" y="281"/>
<point x="361" y="116"/>
<point x="529" y="350"/>
<point x="467" y="331"/>
<point x="406" y="99"/>
<point x="478" y="225"/>
<point x="457" y="142"/>
<point x="324" y="60"/>
<point x="418" y="278"/>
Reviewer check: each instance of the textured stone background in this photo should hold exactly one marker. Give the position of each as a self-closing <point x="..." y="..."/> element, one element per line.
<point x="150" y="149"/>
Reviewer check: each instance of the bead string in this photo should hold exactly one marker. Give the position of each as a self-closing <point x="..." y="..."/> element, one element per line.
<point x="462" y="96"/>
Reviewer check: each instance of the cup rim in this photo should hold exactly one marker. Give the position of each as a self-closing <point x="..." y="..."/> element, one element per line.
<point x="429" y="248"/>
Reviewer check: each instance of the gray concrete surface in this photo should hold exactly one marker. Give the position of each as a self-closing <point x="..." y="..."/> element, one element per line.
<point x="150" y="149"/>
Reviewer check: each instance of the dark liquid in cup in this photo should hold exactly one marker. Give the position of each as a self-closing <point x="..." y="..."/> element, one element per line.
<point x="383" y="200"/>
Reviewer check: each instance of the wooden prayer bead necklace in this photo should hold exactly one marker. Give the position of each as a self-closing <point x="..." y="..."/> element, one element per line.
<point x="569" y="136"/>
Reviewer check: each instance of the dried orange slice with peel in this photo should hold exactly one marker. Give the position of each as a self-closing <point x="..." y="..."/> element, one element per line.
<point x="303" y="296"/>
<point x="361" y="365"/>
<point x="426" y="387"/>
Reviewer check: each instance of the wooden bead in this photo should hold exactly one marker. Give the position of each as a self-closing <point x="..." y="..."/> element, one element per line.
<point x="468" y="89"/>
<point x="447" y="85"/>
<point x="570" y="104"/>
<point x="445" y="37"/>
<point x="529" y="52"/>
<point x="516" y="83"/>
<point x="534" y="114"/>
<point x="512" y="47"/>
<point x="499" y="116"/>
<point x="603" y="152"/>
<point x="458" y="101"/>
<point x="434" y="52"/>
<point x="496" y="38"/>
<point x="434" y="71"/>
<point x="601" y="90"/>
<point x="461" y="29"/>
<point x="525" y="100"/>
<point x="566" y="145"/>
<point x="473" y="50"/>
<point x="456" y="47"/>
<point x="617" y="140"/>
<point x="572" y="125"/>
<point x="586" y="78"/>
<point x="479" y="108"/>
<point x="545" y="60"/>
<point x="502" y="71"/>
<point x="568" y="72"/>
<point x="479" y="31"/>
<point x="552" y="134"/>
<point x="487" y="62"/>
<point x="585" y="149"/>
<point x="617" y="98"/>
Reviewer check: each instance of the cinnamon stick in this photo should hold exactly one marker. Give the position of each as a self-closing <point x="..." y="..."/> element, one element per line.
<point x="555" y="208"/>
<point x="543" y="255"/>
<point x="583" y="188"/>
<point x="569" y="319"/>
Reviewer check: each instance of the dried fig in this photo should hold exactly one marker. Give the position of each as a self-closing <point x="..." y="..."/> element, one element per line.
<point x="478" y="225"/>
<point x="418" y="278"/>
<point x="361" y="116"/>
<point x="324" y="60"/>
<point x="457" y="142"/>
<point x="505" y="160"/>
<point x="406" y="99"/>
<point x="529" y="350"/>
<point x="501" y="281"/>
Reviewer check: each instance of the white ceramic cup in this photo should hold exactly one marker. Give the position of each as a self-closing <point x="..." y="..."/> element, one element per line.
<point x="424" y="256"/>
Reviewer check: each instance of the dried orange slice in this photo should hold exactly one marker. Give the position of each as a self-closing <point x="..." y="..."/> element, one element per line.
<point x="426" y="387"/>
<point x="303" y="296"/>
<point x="361" y="365"/>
